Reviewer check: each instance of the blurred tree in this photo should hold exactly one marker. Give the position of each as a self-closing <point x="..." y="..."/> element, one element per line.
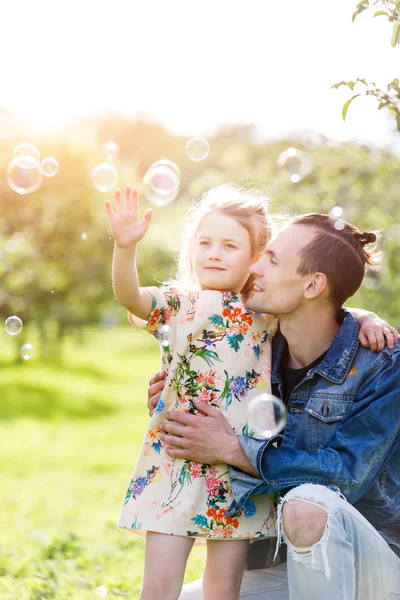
<point x="56" y="250"/>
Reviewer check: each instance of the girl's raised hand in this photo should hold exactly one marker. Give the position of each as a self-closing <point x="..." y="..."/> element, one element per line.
<point x="126" y="226"/>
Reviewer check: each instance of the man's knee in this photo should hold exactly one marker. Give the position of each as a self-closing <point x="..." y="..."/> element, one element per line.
<point x="303" y="522"/>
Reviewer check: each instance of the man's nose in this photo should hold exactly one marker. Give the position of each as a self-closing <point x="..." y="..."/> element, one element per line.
<point x="257" y="267"/>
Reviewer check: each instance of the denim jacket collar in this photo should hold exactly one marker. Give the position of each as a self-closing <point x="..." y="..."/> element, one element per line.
<point x="337" y="362"/>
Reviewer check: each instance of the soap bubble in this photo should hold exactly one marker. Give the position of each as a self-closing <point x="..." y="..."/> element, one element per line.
<point x="197" y="149"/>
<point x="24" y="181"/>
<point x="163" y="335"/>
<point x="101" y="590"/>
<point x="111" y="151"/>
<point x="27" y="351"/>
<point x="296" y="163"/>
<point x="26" y="155"/>
<point x="161" y="182"/>
<point x="5" y="127"/>
<point x="336" y="211"/>
<point x="104" y="177"/>
<point x="339" y="225"/>
<point x="49" y="166"/>
<point x="267" y="414"/>
<point x="13" y="325"/>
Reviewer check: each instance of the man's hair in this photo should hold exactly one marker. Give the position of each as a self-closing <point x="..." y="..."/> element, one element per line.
<point x="338" y="250"/>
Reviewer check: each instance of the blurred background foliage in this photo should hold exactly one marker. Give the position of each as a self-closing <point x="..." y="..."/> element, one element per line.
<point x="55" y="244"/>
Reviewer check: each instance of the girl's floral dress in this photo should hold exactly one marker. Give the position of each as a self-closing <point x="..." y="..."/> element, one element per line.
<point x="215" y="349"/>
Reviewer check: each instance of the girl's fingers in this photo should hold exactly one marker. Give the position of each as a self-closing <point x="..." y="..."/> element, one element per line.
<point x="389" y="337"/>
<point x="127" y="197"/>
<point x="134" y="202"/>
<point x="117" y="198"/>
<point x="110" y="212"/>
<point x="395" y="334"/>
<point x="380" y="342"/>
<point x="147" y="218"/>
<point x="363" y="340"/>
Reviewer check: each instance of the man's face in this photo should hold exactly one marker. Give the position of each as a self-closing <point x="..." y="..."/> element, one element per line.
<point x="278" y="288"/>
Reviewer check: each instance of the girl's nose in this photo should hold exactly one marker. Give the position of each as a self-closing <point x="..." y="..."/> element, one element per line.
<point x="215" y="253"/>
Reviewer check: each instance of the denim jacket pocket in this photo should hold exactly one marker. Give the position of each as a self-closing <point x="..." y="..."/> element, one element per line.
<point x="325" y="413"/>
<point x="329" y="407"/>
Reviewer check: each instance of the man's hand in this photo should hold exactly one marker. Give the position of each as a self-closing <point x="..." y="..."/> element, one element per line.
<point x="206" y="438"/>
<point x="156" y="386"/>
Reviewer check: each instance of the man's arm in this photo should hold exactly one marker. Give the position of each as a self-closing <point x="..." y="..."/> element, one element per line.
<point x="366" y="437"/>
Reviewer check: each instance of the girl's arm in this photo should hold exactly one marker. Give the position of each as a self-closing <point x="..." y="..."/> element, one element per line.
<point x="374" y="331"/>
<point x="128" y="230"/>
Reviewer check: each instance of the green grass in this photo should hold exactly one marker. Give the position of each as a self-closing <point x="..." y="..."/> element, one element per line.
<point x="70" y="433"/>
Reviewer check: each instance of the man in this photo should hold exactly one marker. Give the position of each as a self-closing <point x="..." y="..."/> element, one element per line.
<point x="339" y="456"/>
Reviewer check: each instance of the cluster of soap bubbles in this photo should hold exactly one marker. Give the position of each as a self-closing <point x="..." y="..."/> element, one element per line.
<point x="25" y="172"/>
<point x="13" y="326"/>
<point x="163" y="335"/>
<point x="267" y="415"/>
<point x="335" y="213"/>
<point x="296" y="163"/>
<point x="161" y="183"/>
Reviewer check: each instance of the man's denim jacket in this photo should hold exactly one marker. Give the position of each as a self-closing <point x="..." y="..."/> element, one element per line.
<point x="343" y="429"/>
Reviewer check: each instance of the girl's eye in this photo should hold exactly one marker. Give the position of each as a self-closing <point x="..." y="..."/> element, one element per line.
<point x="204" y="243"/>
<point x="230" y="246"/>
<point x="271" y="260"/>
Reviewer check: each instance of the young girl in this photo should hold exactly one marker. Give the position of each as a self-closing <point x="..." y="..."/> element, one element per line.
<point x="215" y="349"/>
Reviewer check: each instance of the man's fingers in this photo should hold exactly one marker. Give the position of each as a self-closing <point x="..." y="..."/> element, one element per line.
<point x="174" y="428"/>
<point x="173" y="440"/>
<point x="181" y="417"/>
<point x="205" y="408"/>
<point x="154" y="392"/>
<point x="160" y="376"/>
<point x="176" y="452"/>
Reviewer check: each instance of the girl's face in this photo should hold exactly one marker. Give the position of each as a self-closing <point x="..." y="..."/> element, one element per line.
<point x="222" y="253"/>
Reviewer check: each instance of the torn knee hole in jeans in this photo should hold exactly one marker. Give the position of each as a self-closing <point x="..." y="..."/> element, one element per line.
<point x="312" y="557"/>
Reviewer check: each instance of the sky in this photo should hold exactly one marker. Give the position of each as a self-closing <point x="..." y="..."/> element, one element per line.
<point x="196" y="66"/>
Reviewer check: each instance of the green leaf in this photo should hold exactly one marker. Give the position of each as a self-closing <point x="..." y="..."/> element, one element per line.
<point x="363" y="5"/>
<point x="337" y="85"/>
<point x="394" y="85"/>
<point x="346" y="106"/>
<point x="398" y="122"/>
<point x="396" y="34"/>
<point x="380" y="12"/>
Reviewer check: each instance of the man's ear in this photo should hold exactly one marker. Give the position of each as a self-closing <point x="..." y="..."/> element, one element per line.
<point x="315" y="285"/>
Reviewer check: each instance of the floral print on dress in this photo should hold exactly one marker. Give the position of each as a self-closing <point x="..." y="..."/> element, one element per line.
<point x="219" y="352"/>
